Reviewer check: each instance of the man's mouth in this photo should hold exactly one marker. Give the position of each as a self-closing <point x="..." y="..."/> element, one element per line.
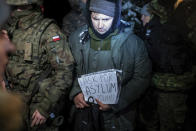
<point x="101" y="30"/>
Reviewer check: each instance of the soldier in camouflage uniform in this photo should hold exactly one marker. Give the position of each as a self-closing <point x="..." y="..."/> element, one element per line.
<point x="170" y="83"/>
<point x="75" y="18"/>
<point x="41" y="68"/>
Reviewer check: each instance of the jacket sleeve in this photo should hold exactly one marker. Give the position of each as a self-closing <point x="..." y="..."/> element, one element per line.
<point x="75" y="49"/>
<point x="61" y="60"/>
<point x="137" y="80"/>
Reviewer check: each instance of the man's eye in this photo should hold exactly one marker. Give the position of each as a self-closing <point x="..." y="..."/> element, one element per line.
<point x="95" y="19"/>
<point x="105" y="19"/>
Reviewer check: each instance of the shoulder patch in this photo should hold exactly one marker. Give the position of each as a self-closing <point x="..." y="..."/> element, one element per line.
<point x="56" y="38"/>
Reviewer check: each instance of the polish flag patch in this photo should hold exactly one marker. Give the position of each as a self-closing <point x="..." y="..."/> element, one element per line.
<point x="56" y="38"/>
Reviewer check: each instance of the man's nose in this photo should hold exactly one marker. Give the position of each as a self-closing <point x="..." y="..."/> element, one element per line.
<point x="100" y="24"/>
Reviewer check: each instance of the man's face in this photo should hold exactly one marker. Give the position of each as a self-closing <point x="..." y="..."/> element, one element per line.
<point x="101" y="22"/>
<point x="145" y="19"/>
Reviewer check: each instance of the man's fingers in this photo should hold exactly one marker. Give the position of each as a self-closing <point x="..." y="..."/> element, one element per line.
<point x="77" y="106"/>
<point x="84" y="103"/>
<point x="42" y="121"/>
<point x="81" y="105"/>
<point x="37" y="118"/>
<point x="38" y="121"/>
<point x="5" y="34"/>
<point x="33" y="116"/>
<point x="99" y="103"/>
<point x="4" y="31"/>
<point x="3" y="85"/>
<point x="33" y="122"/>
<point x="79" y="101"/>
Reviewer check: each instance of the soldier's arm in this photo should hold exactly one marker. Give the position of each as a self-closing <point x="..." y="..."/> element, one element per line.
<point x="61" y="60"/>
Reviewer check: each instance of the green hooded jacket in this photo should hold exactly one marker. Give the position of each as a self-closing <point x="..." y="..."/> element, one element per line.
<point x="128" y="53"/>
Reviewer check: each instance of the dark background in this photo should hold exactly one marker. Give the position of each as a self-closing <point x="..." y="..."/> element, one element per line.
<point x="56" y="9"/>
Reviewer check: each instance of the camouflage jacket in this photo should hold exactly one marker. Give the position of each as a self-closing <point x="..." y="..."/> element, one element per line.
<point x="173" y="82"/>
<point x="183" y="82"/>
<point x="40" y="48"/>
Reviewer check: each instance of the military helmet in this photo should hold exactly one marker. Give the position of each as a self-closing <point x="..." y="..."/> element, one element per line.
<point x="21" y="2"/>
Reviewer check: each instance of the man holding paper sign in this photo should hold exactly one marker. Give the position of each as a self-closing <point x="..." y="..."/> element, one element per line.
<point x="111" y="62"/>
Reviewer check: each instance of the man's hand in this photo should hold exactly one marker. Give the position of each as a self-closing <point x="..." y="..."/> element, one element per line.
<point x="103" y="107"/>
<point x="38" y="119"/>
<point x="5" y="34"/>
<point x="79" y="101"/>
<point x="2" y="85"/>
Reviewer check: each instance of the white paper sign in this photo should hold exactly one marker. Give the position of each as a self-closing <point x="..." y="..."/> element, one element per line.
<point x="103" y="85"/>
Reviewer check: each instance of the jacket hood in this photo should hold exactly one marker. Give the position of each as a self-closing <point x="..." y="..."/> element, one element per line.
<point x="116" y="20"/>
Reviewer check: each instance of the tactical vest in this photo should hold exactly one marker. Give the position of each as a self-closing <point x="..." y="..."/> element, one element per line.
<point x="30" y="57"/>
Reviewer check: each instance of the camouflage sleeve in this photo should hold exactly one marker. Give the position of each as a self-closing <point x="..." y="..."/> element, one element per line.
<point x="60" y="58"/>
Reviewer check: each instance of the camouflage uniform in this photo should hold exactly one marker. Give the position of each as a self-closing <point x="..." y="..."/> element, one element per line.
<point x="41" y="68"/>
<point x="172" y="95"/>
<point x="167" y="109"/>
<point x="164" y="106"/>
<point x="75" y="18"/>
